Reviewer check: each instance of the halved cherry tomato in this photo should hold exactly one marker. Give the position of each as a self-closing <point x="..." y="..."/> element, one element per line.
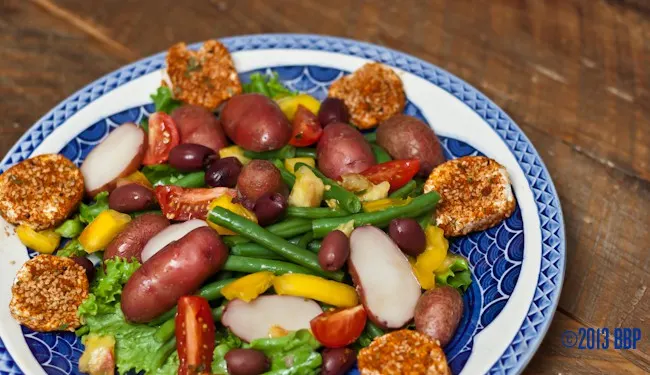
<point x="162" y="137"/>
<point x="183" y="204"/>
<point x="195" y="333"/>
<point x="306" y="129"/>
<point x="396" y="172"/>
<point x="340" y="327"/>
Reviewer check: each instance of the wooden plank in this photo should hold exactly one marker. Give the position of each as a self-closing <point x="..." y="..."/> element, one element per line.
<point x="555" y="358"/>
<point x="43" y="61"/>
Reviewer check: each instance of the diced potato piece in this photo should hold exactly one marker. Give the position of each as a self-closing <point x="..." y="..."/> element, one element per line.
<point x="290" y="163"/>
<point x="355" y="182"/>
<point x="308" y="190"/>
<point x="98" y="357"/>
<point x="376" y="192"/>
<point x="346" y="227"/>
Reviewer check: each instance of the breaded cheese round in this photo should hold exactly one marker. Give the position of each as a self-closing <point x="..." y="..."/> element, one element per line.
<point x="373" y="93"/>
<point x="47" y="292"/>
<point x="403" y="352"/>
<point x="40" y="192"/>
<point x="475" y="194"/>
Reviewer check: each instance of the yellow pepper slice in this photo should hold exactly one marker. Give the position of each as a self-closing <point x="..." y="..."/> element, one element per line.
<point x="138" y="178"/>
<point x="99" y="355"/>
<point x="317" y="288"/>
<point x="289" y="104"/>
<point x="290" y="164"/>
<point x="101" y="231"/>
<point x="382" y="204"/>
<point x="45" y="242"/>
<point x="234" y="151"/>
<point x="225" y="201"/>
<point x="248" y="287"/>
<point x="432" y="257"/>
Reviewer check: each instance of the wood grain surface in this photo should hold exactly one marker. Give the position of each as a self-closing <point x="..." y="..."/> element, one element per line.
<point x="575" y="75"/>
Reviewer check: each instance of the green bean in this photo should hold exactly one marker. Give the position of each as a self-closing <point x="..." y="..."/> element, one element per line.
<point x="191" y="180"/>
<point x="404" y="191"/>
<point x="231" y="241"/>
<point x="254" y="250"/>
<point x="314" y="246"/>
<point x="285" y="152"/>
<point x="373" y="330"/>
<point x="210" y="292"/>
<point x="306" y="152"/>
<point x="380" y="154"/>
<point x="295" y="239"/>
<point x="285" y="229"/>
<point x="371" y="137"/>
<point x="161" y="355"/>
<point x="419" y="188"/>
<point x="287" y="177"/>
<point x="425" y="219"/>
<point x="165" y="331"/>
<point x="306" y="239"/>
<point x="256" y="233"/>
<point x="82" y="331"/>
<point x="346" y="199"/>
<point x="418" y="206"/>
<point x="251" y="265"/>
<point x="315" y="212"/>
<point x="217" y="312"/>
<point x="223" y="275"/>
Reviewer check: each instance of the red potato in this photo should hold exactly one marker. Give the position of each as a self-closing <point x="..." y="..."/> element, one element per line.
<point x="253" y="320"/>
<point x="383" y="277"/>
<point x="343" y="149"/>
<point x="199" y="126"/>
<point x="255" y="123"/>
<point x="168" y="235"/>
<point x="258" y="178"/>
<point x="406" y="137"/>
<point x="177" y="270"/>
<point x="119" y="155"/>
<point x="438" y="313"/>
<point x="132" y="240"/>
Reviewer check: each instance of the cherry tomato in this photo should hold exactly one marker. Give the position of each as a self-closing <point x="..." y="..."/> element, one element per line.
<point x="340" y="327"/>
<point x="306" y="129"/>
<point x="183" y="204"/>
<point x="162" y="137"/>
<point x="195" y="333"/>
<point x="396" y="172"/>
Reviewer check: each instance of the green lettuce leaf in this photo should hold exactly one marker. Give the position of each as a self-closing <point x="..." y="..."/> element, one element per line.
<point x="107" y="287"/>
<point x="162" y="174"/>
<point x="88" y="212"/>
<point x="227" y="341"/>
<point x="455" y="273"/>
<point x="295" y="353"/>
<point x="163" y="100"/>
<point x="268" y="85"/>
<point x="70" y="228"/>
<point x="72" y="249"/>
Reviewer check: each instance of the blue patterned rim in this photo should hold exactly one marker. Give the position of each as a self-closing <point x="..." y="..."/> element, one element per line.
<point x="546" y="296"/>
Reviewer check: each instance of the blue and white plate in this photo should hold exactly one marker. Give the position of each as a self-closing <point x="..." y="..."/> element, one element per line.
<point x="517" y="266"/>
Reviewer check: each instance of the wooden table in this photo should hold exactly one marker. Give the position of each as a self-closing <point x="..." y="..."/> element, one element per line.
<point x="575" y="76"/>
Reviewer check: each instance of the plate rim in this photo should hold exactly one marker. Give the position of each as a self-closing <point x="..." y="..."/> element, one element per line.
<point x="527" y="355"/>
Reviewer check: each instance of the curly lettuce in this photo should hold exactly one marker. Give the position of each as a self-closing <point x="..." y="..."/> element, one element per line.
<point x="267" y="85"/>
<point x="162" y="174"/>
<point x="72" y="249"/>
<point x="163" y="100"/>
<point x="88" y="212"/>
<point x="455" y="273"/>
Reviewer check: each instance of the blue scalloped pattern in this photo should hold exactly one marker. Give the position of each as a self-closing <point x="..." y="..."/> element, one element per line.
<point x="546" y="296"/>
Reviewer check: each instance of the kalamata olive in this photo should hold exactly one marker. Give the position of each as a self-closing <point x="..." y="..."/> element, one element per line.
<point x="246" y="362"/>
<point x="269" y="208"/>
<point x="333" y="110"/>
<point x="87" y="265"/>
<point x="223" y="172"/>
<point x="408" y="235"/>
<point x="130" y="198"/>
<point x="188" y="157"/>
<point x="337" y="361"/>
<point x="334" y="251"/>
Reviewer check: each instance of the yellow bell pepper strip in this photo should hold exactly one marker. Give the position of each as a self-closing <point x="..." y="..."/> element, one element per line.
<point x="248" y="287"/>
<point x="44" y="242"/>
<point x="317" y="288"/>
<point x="454" y="271"/>
<point x="382" y="204"/>
<point x="234" y="151"/>
<point x="225" y="201"/>
<point x="101" y="231"/>
<point x="98" y="357"/>
<point x="290" y="163"/>
<point x="432" y="257"/>
<point x="135" y="177"/>
<point x="289" y="104"/>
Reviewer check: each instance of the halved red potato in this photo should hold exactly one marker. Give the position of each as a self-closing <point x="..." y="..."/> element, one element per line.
<point x="253" y="320"/>
<point x="118" y="155"/>
<point x="383" y="277"/>
<point x="168" y="235"/>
